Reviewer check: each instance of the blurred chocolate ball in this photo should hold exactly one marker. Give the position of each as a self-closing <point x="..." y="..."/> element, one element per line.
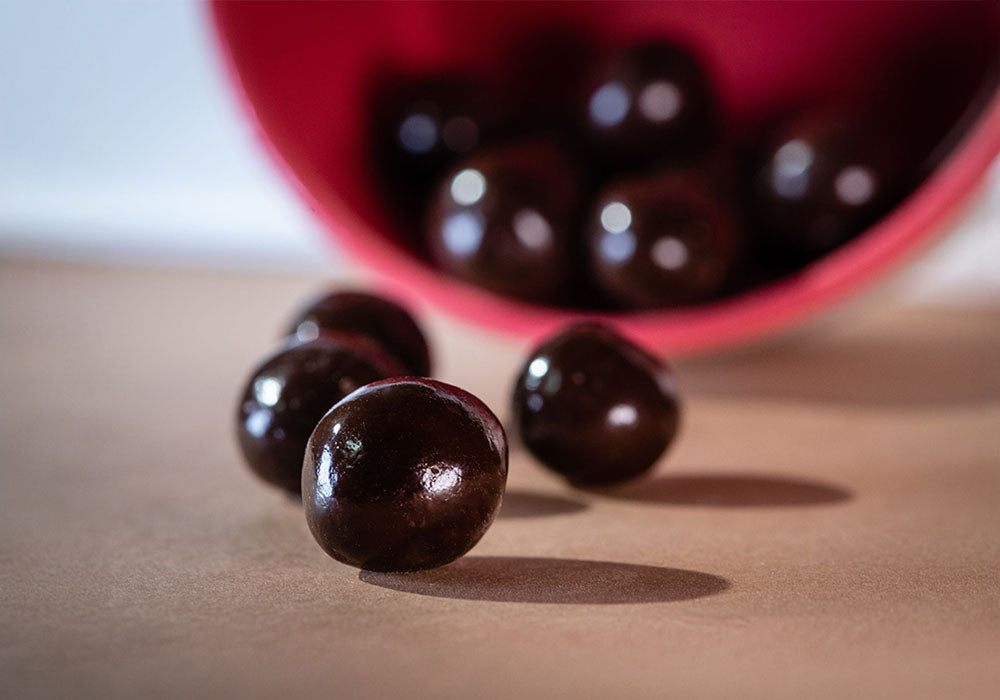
<point x="420" y="127"/>
<point x="376" y="318"/>
<point x="660" y="240"/>
<point x="822" y="180"/>
<point x="504" y="219"/>
<point x="648" y="104"/>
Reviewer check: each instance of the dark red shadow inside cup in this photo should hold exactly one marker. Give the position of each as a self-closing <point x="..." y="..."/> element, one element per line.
<point x="306" y="70"/>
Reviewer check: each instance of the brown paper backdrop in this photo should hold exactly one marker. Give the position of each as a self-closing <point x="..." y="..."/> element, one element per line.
<point x="827" y="525"/>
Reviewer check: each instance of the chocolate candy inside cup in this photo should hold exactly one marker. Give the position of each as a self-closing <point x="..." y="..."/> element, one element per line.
<point x="307" y="70"/>
<point x="505" y="219"/>
<point x="420" y="127"/>
<point x="666" y="239"/>
<point x="822" y="179"/>
<point x="650" y="103"/>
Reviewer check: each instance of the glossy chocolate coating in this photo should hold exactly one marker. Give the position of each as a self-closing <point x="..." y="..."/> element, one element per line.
<point x="503" y="219"/>
<point x="648" y="104"/>
<point x="821" y="181"/>
<point x="594" y="407"/>
<point x="404" y="474"/>
<point x="661" y="240"/>
<point x="379" y="319"/>
<point x="420" y="127"/>
<point x="290" y="391"/>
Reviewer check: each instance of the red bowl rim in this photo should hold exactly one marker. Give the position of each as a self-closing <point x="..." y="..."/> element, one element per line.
<point x="918" y="220"/>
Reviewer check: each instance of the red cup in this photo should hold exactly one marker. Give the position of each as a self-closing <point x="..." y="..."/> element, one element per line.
<point x="305" y="70"/>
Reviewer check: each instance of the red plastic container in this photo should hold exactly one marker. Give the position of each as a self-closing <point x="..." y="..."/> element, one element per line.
<point x="305" y="69"/>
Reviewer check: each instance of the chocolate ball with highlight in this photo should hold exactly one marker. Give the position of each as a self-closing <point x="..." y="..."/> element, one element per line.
<point x="594" y="407"/>
<point x="667" y="239"/>
<point x="504" y="220"/>
<point x="649" y="103"/>
<point x="821" y="180"/>
<point x="419" y="127"/>
<point x="374" y="317"/>
<point x="288" y="392"/>
<point x="403" y="475"/>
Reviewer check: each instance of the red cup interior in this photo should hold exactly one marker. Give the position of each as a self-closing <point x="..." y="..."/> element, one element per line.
<point x="306" y="71"/>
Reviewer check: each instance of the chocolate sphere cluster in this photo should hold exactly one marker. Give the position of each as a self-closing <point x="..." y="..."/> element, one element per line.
<point x="618" y="181"/>
<point x="335" y="345"/>
<point x="401" y="473"/>
<point x="613" y="182"/>
<point x="396" y="472"/>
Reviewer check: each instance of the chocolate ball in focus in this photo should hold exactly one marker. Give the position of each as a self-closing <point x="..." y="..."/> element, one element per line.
<point x="594" y="407"/>
<point x="403" y="475"/>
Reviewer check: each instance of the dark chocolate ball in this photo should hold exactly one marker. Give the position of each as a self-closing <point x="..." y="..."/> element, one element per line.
<point x="377" y="318"/>
<point x="661" y="240"/>
<point x="821" y="181"/>
<point x="290" y="391"/>
<point x="404" y="474"/>
<point x="650" y="103"/>
<point x="594" y="407"/>
<point x="503" y="219"/>
<point x="420" y="127"/>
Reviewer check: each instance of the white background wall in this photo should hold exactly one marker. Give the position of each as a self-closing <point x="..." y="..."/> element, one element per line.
<point x="120" y="140"/>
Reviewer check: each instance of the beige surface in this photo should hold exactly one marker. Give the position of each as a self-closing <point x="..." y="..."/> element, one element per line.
<point x="827" y="525"/>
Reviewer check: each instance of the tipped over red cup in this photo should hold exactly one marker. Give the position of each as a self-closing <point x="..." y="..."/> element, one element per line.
<point x="305" y="72"/>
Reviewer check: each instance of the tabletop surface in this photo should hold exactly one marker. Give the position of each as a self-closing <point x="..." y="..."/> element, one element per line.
<point x="826" y="525"/>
